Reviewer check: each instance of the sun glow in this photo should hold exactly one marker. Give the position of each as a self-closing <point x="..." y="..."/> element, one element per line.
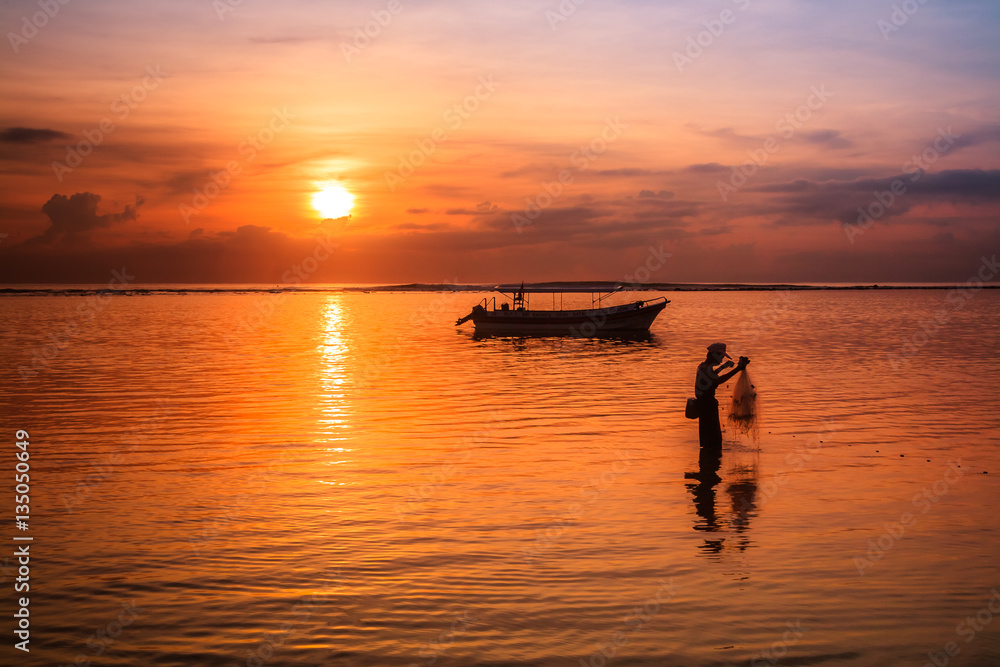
<point x="333" y="201"/>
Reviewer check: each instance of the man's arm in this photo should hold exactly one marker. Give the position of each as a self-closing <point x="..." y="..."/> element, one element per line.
<point x="740" y="366"/>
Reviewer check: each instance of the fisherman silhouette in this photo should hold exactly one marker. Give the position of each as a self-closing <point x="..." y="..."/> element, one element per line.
<point x="707" y="380"/>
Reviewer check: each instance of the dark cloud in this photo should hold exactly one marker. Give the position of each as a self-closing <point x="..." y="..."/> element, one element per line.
<point x="260" y="255"/>
<point x="484" y="208"/>
<point x="250" y="254"/>
<point x="808" y="202"/>
<point x="964" y="183"/>
<point x="417" y="211"/>
<point x="186" y="181"/>
<point x="556" y="248"/>
<point x="567" y="218"/>
<point x="829" y="138"/>
<point x="715" y="231"/>
<point x="253" y="254"/>
<point x="706" y="168"/>
<point x="798" y="185"/>
<point x="795" y="172"/>
<point x="422" y="227"/>
<point x="726" y="133"/>
<point x="535" y="170"/>
<point x="629" y="172"/>
<point x="72" y="218"/>
<point x="481" y="209"/>
<point x="650" y="207"/>
<point x="448" y="190"/>
<point x="577" y="235"/>
<point x="959" y="184"/>
<point x="604" y="227"/>
<point x="679" y="211"/>
<point x="938" y="258"/>
<point x="662" y="194"/>
<point x="30" y="135"/>
<point x="976" y="137"/>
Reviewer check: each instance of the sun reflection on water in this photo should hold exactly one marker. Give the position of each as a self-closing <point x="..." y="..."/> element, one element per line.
<point x="333" y="370"/>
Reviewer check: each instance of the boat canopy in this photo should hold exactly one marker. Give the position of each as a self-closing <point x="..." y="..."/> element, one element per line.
<point x="559" y="289"/>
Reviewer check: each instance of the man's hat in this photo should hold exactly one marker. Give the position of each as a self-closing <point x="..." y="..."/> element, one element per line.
<point x="719" y="348"/>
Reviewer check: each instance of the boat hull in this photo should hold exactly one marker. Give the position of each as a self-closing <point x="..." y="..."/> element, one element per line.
<point x="625" y="319"/>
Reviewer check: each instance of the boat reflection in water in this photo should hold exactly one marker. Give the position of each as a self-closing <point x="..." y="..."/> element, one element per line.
<point x="514" y="317"/>
<point x="610" y="337"/>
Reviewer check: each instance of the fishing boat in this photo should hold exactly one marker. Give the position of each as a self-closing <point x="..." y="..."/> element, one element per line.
<point x="515" y="317"/>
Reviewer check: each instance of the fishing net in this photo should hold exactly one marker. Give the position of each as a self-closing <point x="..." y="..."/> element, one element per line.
<point x="744" y="398"/>
<point x="743" y="415"/>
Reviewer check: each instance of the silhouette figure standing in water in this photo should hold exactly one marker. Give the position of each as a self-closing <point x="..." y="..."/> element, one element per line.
<point x="706" y="382"/>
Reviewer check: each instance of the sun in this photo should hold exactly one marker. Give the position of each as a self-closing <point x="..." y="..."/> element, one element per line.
<point x="333" y="201"/>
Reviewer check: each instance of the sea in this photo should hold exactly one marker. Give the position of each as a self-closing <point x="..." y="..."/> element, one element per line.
<point x="331" y="476"/>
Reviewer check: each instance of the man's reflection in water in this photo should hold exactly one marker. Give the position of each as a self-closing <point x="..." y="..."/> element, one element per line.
<point x="703" y="490"/>
<point x="742" y="491"/>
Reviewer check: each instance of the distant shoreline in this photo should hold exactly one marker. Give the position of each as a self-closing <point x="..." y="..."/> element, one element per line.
<point x="598" y="286"/>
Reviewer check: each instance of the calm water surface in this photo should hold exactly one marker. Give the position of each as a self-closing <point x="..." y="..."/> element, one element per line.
<point x="348" y="479"/>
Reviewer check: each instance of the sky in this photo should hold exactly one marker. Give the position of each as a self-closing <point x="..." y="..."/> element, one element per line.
<point x="686" y="141"/>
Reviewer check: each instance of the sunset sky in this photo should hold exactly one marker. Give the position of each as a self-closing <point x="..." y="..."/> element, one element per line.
<point x="501" y="141"/>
